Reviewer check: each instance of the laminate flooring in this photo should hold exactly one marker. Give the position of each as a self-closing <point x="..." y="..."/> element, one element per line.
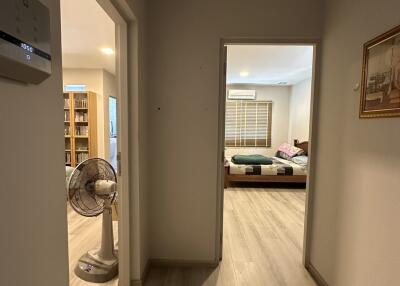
<point x="262" y="244"/>
<point x="84" y="234"/>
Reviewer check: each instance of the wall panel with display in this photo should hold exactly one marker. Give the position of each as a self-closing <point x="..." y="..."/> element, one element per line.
<point x="80" y="127"/>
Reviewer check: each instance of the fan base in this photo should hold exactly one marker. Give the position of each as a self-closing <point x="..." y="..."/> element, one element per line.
<point x="93" y="270"/>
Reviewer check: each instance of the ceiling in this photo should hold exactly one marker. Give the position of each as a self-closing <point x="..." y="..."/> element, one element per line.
<point x="86" y="29"/>
<point x="269" y="64"/>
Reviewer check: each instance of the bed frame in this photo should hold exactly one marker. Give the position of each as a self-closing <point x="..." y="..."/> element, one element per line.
<point x="302" y="179"/>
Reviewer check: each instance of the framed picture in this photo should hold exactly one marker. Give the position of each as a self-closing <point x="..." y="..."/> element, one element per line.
<point x="380" y="85"/>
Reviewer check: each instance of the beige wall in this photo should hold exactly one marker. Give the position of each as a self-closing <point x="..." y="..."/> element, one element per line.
<point x="103" y="84"/>
<point x="34" y="222"/>
<point x="356" y="234"/>
<point x="299" y="111"/>
<point x="279" y="95"/>
<point x="183" y="51"/>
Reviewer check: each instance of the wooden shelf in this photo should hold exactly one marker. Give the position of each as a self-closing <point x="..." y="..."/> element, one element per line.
<point x="85" y="146"/>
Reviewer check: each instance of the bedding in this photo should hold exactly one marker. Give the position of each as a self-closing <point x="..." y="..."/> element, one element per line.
<point x="300" y="160"/>
<point x="287" y="151"/>
<point x="279" y="167"/>
<point x="251" y="160"/>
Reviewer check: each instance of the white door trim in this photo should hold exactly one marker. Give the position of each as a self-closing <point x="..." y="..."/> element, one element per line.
<point x="129" y="253"/>
<point x="312" y="137"/>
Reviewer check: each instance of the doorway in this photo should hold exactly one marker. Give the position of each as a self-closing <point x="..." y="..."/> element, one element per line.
<point x="260" y="114"/>
<point x="113" y="123"/>
<point x="99" y="77"/>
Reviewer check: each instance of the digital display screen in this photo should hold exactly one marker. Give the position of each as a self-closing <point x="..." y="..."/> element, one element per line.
<point x="26" y="47"/>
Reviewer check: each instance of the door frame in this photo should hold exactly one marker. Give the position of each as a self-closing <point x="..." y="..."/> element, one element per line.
<point x="308" y="218"/>
<point x="127" y="66"/>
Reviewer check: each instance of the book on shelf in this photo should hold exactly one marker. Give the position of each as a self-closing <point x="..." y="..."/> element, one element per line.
<point x="81" y="116"/>
<point x="81" y="130"/>
<point x="66" y="103"/>
<point x="66" y="115"/>
<point x="67" y="157"/>
<point x="66" y="131"/>
<point x="81" y="103"/>
<point x="80" y="157"/>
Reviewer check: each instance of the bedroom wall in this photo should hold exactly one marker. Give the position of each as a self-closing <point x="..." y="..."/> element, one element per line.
<point x="279" y="95"/>
<point x="355" y="239"/>
<point x="299" y="111"/>
<point x="34" y="225"/>
<point x="103" y="84"/>
<point x="183" y="64"/>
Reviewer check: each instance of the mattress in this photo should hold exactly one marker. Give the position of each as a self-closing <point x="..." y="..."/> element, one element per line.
<point x="279" y="167"/>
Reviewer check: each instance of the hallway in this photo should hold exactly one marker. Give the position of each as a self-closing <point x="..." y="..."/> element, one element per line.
<point x="263" y="237"/>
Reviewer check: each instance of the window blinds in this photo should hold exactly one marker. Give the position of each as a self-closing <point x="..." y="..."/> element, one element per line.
<point x="248" y="123"/>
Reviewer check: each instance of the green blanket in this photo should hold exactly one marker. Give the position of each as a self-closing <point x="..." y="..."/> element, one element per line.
<point x="251" y="160"/>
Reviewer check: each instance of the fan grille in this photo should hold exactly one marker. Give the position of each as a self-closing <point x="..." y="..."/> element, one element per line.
<point x="83" y="198"/>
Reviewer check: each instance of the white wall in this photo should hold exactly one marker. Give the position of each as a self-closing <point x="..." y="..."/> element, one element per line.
<point x="279" y="95"/>
<point x="34" y="217"/>
<point x="299" y="114"/>
<point x="183" y="56"/>
<point x="103" y="84"/>
<point x="356" y="234"/>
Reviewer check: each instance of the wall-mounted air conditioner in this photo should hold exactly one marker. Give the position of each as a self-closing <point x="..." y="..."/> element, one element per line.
<point x="241" y="94"/>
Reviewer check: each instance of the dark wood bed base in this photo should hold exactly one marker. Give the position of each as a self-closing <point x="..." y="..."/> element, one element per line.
<point x="267" y="178"/>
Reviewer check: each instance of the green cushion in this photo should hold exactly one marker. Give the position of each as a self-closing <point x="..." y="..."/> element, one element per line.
<point x="251" y="160"/>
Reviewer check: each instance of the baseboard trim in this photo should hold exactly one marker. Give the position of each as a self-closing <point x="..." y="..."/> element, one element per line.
<point x="183" y="263"/>
<point x="316" y="275"/>
<point x="137" y="283"/>
<point x="143" y="277"/>
<point x="171" y="263"/>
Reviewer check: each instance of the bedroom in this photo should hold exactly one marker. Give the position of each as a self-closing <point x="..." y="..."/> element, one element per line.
<point x="267" y="122"/>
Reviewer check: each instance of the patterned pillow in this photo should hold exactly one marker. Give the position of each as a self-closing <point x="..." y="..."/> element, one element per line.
<point x="287" y="151"/>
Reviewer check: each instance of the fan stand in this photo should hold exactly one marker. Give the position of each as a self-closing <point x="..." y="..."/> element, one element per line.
<point x="100" y="265"/>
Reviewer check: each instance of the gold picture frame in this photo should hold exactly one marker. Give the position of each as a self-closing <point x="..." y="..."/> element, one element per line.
<point x="380" y="83"/>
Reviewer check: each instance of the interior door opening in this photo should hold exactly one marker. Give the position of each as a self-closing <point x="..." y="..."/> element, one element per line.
<point x="266" y="107"/>
<point x="91" y="77"/>
<point x="112" y="107"/>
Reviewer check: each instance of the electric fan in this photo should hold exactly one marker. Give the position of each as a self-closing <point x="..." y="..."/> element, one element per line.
<point x="92" y="189"/>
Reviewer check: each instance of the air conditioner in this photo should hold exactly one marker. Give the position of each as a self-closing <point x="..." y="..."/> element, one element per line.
<point x="241" y="94"/>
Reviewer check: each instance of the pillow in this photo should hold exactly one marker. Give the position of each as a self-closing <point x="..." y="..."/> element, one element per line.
<point x="287" y="151"/>
<point x="283" y="155"/>
<point x="300" y="160"/>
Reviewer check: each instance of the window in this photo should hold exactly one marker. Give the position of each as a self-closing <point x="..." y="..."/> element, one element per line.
<point x="248" y="123"/>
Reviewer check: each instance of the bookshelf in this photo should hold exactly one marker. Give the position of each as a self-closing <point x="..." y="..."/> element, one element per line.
<point x="80" y="127"/>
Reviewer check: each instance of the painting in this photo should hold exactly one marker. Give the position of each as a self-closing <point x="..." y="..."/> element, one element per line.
<point x="380" y="86"/>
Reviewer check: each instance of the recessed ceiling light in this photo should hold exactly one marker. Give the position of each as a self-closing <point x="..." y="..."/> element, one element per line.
<point x="107" y="51"/>
<point x="244" y="73"/>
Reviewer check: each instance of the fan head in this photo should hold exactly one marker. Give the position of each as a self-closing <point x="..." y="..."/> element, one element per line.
<point x="81" y="193"/>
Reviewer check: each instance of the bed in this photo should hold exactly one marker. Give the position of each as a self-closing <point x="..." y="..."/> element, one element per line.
<point x="281" y="170"/>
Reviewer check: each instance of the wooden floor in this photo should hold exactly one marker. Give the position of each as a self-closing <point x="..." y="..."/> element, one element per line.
<point x="263" y="236"/>
<point x="84" y="234"/>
